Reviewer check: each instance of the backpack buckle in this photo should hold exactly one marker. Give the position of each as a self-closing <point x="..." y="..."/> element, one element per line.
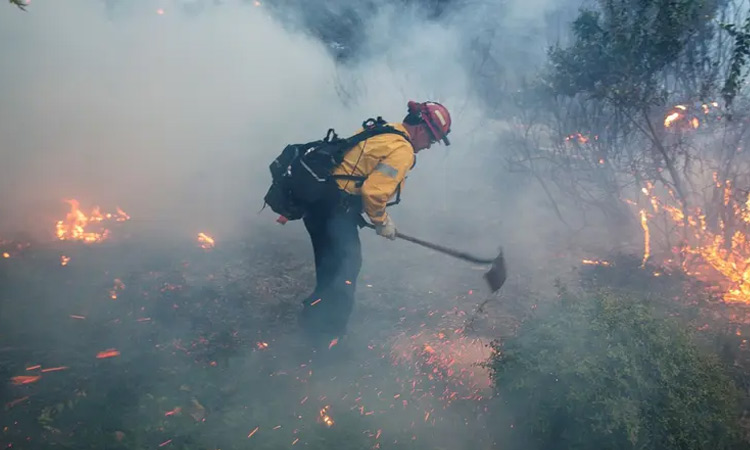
<point x="371" y="123"/>
<point x="331" y="135"/>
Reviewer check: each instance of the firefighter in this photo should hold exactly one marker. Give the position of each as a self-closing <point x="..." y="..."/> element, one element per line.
<point x="384" y="160"/>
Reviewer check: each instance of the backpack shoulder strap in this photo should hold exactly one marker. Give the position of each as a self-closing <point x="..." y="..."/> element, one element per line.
<point x="373" y="127"/>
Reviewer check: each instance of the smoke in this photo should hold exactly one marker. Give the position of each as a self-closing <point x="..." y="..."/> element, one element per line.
<point x="173" y="111"/>
<point x="174" y="117"/>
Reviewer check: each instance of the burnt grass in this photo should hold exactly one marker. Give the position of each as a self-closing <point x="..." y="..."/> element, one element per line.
<point x="210" y="356"/>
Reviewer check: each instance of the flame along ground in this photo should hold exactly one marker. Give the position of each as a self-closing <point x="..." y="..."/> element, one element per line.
<point x="441" y="366"/>
<point x="431" y="369"/>
<point x="717" y="252"/>
<point x="446" y="361"/>
<point x="88" y="228"/>
<point x="93" y="228"/>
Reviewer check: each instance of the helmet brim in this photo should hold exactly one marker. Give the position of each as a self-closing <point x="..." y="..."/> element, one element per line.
<point x="434" y="131"/>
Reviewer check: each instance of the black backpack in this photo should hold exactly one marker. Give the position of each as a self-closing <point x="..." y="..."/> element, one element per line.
<point x="301" y="174"/>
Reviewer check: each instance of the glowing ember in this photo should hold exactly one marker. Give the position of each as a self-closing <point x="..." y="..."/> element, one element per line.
<point x="25" y="379"/>
<point x="119" y="286"/>
<point x="206" y="241"/>
<point x="255" y="430"/>
<point x="449" y="357"/>
<point x="64" y="260"/>
<point x="173" y="412"/>
<point x="595" y="262"/>
<point x="88" y="228"/>
<point x="110" y="353"/>
<point x="577" y="137"/>
<point x="16" y="402"/>
<point x="11" y="249"/>
<point x="324" y="417"/>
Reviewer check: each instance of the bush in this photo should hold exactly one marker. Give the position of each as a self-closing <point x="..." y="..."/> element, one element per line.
<point x="605" y="372"/>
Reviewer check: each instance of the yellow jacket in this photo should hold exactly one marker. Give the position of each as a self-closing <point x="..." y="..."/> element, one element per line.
<point x="385" y="160"/>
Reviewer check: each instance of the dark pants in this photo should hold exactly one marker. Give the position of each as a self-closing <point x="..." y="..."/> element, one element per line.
<point x="334" y="231"/>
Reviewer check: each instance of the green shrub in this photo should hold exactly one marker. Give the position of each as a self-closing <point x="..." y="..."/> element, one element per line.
<point x="606" y="372"/>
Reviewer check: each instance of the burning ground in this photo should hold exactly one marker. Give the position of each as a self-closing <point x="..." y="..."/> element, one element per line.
<point x="111" y="340"/>
<point x="125" y="341"/>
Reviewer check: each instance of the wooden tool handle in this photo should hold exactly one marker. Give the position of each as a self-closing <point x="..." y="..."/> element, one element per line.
<point x="439" y="248"/>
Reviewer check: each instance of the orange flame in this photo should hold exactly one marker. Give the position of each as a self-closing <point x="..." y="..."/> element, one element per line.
<point x="680" y="114"/>
<point x="206" y="241"/>
<point x="718" y="254"/>
<point x="580" y="138"/>
<point x="325" y="418"/>
<point x="595" y="262"/>
<point x="670" y="119"/>
<point x="646" y="238"/>
<point x="119" y="286"/>
<point x="76" y="225"/>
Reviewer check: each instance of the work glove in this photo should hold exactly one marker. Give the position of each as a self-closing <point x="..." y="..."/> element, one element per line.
<point x="387" y="228"/>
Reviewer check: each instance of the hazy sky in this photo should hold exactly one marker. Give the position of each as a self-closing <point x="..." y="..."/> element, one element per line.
<point x="175" y="117"/>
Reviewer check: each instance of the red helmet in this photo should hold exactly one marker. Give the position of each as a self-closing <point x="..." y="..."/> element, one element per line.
<point x="436" y="116"/>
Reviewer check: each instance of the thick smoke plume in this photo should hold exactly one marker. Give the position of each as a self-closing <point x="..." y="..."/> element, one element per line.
<point x="173" y="110"/>
<point x="175" y="116"/>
